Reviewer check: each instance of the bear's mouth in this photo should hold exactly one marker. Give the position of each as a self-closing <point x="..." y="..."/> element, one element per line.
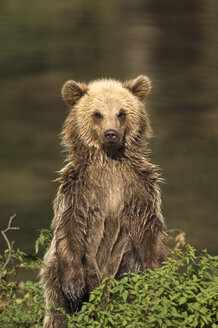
<point x="113" y="143"/>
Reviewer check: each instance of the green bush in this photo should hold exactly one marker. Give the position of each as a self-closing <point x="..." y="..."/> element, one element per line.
<point x="21" y="302"/>
<point x="183" y="293"/>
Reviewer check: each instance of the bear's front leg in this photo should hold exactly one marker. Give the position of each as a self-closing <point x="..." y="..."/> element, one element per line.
<point x="72" y="282"/>
<point x="148" y="230"/>
<point x="69" y="251"/>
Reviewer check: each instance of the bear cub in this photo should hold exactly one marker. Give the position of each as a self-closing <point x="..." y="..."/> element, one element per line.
<point x="107" y="214"/>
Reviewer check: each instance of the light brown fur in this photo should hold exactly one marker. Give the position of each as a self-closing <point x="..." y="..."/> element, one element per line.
<point x="107" y="216"/>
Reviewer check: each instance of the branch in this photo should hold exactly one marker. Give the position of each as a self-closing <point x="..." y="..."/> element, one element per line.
<point x="10" y="245"/>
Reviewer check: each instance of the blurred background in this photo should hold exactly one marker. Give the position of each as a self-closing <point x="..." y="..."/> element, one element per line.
<point x="44" y="43"/>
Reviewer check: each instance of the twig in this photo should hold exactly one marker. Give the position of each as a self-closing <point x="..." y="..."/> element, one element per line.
<point x="10" y="245"/>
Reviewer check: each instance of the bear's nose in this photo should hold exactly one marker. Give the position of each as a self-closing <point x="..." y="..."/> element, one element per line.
<point x="111" y="135"/>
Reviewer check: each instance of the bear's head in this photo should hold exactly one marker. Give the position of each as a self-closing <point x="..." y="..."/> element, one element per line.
<point x="106" y="114"/>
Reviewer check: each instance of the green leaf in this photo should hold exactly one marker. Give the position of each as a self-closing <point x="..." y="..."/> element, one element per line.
<point x="182" y="300"/>
<point x="125" y="295"/>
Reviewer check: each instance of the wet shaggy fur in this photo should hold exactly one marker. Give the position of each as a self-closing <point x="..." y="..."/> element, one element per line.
<point x="107" y="216"/>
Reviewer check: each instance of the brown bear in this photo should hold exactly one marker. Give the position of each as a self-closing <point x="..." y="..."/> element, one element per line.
<point x="107" y="215"/>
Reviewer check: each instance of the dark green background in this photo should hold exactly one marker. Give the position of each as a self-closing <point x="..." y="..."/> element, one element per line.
<point x="45" y="42"/>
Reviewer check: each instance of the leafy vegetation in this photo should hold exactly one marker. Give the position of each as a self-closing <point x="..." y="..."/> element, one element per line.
<point x="183" y="293"/>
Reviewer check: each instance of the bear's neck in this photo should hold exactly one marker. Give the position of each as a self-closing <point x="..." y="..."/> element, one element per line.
<point x="87" y="156"/>
<point x="105" y="155"/>
<point x="130" y="161"/>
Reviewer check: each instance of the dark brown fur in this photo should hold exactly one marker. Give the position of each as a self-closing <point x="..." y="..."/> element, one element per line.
<point x="107" y="216"/>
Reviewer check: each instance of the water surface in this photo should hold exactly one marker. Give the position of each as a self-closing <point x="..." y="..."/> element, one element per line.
<point x="44" y="43"/>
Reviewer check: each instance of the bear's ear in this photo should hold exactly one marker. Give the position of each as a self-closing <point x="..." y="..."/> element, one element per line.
<point x="139" y="87"/>
<point x="73" y="91"/>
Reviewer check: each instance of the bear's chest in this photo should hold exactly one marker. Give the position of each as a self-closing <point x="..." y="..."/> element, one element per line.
<point x="114" y="195"/>
<point x="107" y="190"/>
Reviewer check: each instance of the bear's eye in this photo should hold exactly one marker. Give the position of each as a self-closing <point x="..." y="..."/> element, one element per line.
<point x="121" y="114"/>
<point x="97" y="115"/>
